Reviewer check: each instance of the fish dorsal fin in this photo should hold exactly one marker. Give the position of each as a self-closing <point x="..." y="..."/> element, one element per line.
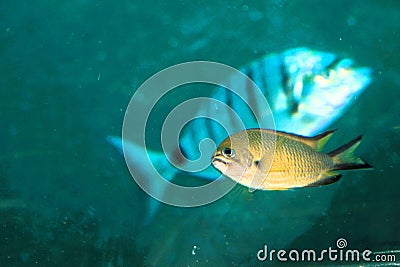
<point x="317" y="142"/>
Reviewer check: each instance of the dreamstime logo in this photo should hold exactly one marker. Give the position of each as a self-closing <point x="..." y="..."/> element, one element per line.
<point x="332" y="254"/>
<point x="341" y="243"/>
<point x="147" y="174"/>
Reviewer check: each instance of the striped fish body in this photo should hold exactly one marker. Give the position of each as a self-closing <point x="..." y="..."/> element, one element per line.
<point x="269" y="160"/>
<point x="306" y="91"/>
<point x="296" y="160"/>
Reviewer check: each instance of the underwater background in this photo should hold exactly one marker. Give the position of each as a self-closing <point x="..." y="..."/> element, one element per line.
<point x="68" y="71"/>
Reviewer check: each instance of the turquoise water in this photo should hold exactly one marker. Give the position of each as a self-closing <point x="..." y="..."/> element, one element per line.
<point x="68" y="71"/>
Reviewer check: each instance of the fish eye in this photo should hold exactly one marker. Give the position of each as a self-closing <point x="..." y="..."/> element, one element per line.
<point x="228" y="152"/>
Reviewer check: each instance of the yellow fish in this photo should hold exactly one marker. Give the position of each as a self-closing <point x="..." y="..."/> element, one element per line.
<point x="249" y="158"/>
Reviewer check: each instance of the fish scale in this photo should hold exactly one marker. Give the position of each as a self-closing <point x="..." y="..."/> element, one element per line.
<point x="300" y="161"/>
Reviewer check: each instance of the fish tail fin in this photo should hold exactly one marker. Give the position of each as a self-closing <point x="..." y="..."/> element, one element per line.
<point x="134" y="155"/>
<point x="344" y="159"/>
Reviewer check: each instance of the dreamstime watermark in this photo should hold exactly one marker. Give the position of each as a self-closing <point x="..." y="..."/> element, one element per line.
<point x="153" y="170"/>
<point x="338" y="253"/>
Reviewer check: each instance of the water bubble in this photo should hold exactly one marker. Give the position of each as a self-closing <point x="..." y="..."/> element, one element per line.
<point x="195" y="249"/>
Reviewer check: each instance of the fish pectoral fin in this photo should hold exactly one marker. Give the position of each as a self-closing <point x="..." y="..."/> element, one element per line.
<point x="327" y="177"/>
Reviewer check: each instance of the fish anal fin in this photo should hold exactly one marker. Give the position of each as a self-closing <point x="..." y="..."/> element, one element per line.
<point x="326" y="178"/>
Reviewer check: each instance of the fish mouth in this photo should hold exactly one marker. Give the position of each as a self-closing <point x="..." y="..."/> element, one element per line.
<point x="219" y="160"/>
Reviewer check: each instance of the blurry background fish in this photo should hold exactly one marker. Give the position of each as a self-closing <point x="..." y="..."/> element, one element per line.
<point x="306" y="89"/>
